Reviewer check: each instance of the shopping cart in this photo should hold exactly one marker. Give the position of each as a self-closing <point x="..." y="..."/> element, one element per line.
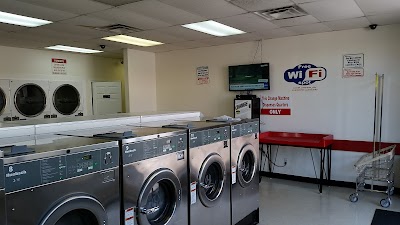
<point x="376" y="168"/>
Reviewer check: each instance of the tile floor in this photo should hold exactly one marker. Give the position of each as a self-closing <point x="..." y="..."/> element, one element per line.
<point x="294" y="203"/>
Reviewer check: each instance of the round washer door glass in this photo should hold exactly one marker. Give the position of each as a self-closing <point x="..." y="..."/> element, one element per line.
<point x="211" y="180"/>
<point x="159" y="198"/>
<point x="3" y="101"/>
<point x="247" y="166"/>
<point x="30" y="100"/>
<point x="66" y="99"/>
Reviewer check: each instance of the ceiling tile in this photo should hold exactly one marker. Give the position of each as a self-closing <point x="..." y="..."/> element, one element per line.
<point x="276" y="33"/>
<point x="385" y="19"/>
<point x="109" y="44"/>
<point x="258" y="5"/>
<point x="162" y="48"/>
<point x="112" y="55"/>
<point x="9" y="27"/>
<point x="373" y="7"/>
<point x="191" y="44"/>
<point x="92" y="45"/>
<point x="26" y="9"/>
<point x="88" y="21"/>
<point x="156" y="35"/>
<point x="86" y="33"/>
<point x="209" y="9"/>
<point x="304" y="1"/>
<point x="163" y="12"/>
<point x="129" y="18"/>
<point x="12" y="42"/>
<point x="329" y="10"/>
<point x="217" y="41"/>
<point x="73" y="6"/>
<point x="245" y="37"/>
<point x="184" y="33"/>
<point x="25" y="37"/>
<point x="247" y="22"/>
<point x="296" y="21"/>
<point x="309" y="28"/>
<point x="348" y="23"/>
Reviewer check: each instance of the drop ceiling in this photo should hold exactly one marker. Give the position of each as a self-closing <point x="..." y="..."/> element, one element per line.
<point x="161" y="20"/>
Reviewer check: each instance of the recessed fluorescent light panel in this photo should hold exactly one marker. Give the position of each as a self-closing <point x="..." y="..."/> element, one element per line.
<point x="25" y="21"/>
<point x="132" y="40"/>
<point x="214" y="28"/>
<point x="72" y="49"/>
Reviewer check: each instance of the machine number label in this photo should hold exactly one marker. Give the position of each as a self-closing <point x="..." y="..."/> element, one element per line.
<point x="234" y="174"/>
<point x="130" y="216"/>
<point x="193" y="194"/>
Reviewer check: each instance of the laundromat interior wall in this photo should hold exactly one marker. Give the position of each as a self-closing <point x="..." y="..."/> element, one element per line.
<point x="29" y="64"/>
<point x="340" y="106"/>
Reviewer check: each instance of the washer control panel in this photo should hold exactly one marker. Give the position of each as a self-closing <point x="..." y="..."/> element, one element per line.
<point x="139" y="151"/>
<point x="1" y="174"/>
<point x="205" y="137"/>
<point x="243" y="129"/>
<point x="24" y="175"/>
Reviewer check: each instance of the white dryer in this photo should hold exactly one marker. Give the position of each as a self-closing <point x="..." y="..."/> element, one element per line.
<point x="5" y="110"/>
<point x="30" y="99"/>
<point x="67" y="99"/>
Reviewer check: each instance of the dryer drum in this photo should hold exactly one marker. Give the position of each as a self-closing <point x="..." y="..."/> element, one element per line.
<point x="211" y="180"/>
<point x="3" y="101"/>
<point x="30" y="100"/>
<point x="66" y="99"/>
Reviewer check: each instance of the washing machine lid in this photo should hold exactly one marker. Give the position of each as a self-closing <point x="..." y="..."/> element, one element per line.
<point x="3" y="101"/>
<point x="30" y="100"/>
<point x="195" y="125"/>
<point x="66" y="99"/>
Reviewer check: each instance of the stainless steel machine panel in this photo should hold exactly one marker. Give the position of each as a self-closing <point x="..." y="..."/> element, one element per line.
<point x="155" y="180"/>
<point x="70" y="181"/>
<point x="209" y="164"/>
<point x="2" y="193"/>
<point x="245" y="170"/>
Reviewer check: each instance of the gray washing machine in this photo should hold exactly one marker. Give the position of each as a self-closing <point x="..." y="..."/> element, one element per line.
<point x="66" y="181"/>
<point x="2" y="193"/>
<point x="154" y="173"/>
<point x="209" y="168"/>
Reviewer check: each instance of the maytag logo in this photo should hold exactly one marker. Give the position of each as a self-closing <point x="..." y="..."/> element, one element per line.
<point x="11" y="172"/>
<point x="241" y="105"/>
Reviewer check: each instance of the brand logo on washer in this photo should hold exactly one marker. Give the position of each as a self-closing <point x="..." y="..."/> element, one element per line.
<point x="127" y="150"/>
<point x="11" y="172"/>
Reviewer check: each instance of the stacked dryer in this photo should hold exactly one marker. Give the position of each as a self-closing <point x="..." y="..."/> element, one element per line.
<point x="67" y="99"/>
<point x="5" y="100"/>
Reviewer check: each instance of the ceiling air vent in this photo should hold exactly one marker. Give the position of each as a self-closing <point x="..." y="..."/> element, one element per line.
<point x="117" y="2"/>
<point x="282" y="13"/>
<point x="117" y="28"/>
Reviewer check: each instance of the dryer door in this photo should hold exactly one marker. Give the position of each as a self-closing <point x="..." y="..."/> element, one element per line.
<point x="159" y="198"/>
<point x="66" y="99"/>
<point x="247" y="165"/>
<point x="3" y="101"/>
<point x="211" y="180"/>
<point x="78" y="210"/>
<point x="30" y="100"/>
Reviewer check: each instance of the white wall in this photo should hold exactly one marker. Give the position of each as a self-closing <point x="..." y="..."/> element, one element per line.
<point x="28" y="64"/>
<point x="343" y="107"/>
<point x="140" y="76"/>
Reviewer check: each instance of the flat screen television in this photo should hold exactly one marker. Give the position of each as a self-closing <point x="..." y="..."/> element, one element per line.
<point x="249" y="77"/>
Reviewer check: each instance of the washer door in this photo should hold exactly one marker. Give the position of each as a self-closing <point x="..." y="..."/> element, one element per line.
<point x="79" y="210"/>
<point x="247" y="164"/>
<point x="211" y="180"/>
<point x="159" y="198"/>
<point x="66" y="99"/>
<point x="3" y="101"/>
<point x="30" y="100"/>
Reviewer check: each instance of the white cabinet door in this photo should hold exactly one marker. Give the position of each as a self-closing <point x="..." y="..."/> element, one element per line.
<point x="107" y="98"/>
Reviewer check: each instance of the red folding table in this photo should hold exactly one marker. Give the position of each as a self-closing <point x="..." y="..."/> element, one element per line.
<point x="323" y="142"/>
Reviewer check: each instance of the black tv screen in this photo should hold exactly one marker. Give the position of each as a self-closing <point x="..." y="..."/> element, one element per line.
<point x="249" y="77"/>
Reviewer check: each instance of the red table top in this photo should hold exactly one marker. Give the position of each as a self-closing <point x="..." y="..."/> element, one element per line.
<point x="296" y="139"/>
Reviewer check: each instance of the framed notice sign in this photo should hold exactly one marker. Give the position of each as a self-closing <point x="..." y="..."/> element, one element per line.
<point x="203" y="76"/>
<point x="59" y="66"/>
<point x="353" y="65"/>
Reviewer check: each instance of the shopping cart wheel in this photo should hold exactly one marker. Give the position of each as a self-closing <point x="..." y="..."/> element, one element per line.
<point x="391" y="191"/>
<point x="353" y="197"/>
<point x="386" y="202"/>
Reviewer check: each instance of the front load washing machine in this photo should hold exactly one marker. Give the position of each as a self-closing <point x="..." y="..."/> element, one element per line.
<point x="5" y="110"/>
<point x="67" y="99"/>
<point x="30" y="99"/>
<point x="154" y="173"/>
<point x="209" y="166"/>
<point x="68" y="181"/>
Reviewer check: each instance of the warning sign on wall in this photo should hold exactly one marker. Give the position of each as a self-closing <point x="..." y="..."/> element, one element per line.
<point x="59" y="66"/>
<point x="203" y="76"/>
<point x="278" y="105"/>
<point x="353" y="65"/>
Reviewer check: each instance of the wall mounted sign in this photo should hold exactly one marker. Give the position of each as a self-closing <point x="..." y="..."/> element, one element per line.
<point x="59" y="66"/>
<point x="304" y="75"/>
<point x="203" y="75"/>
<point x="353" y="65"/>
<point x="278" y="105"/>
